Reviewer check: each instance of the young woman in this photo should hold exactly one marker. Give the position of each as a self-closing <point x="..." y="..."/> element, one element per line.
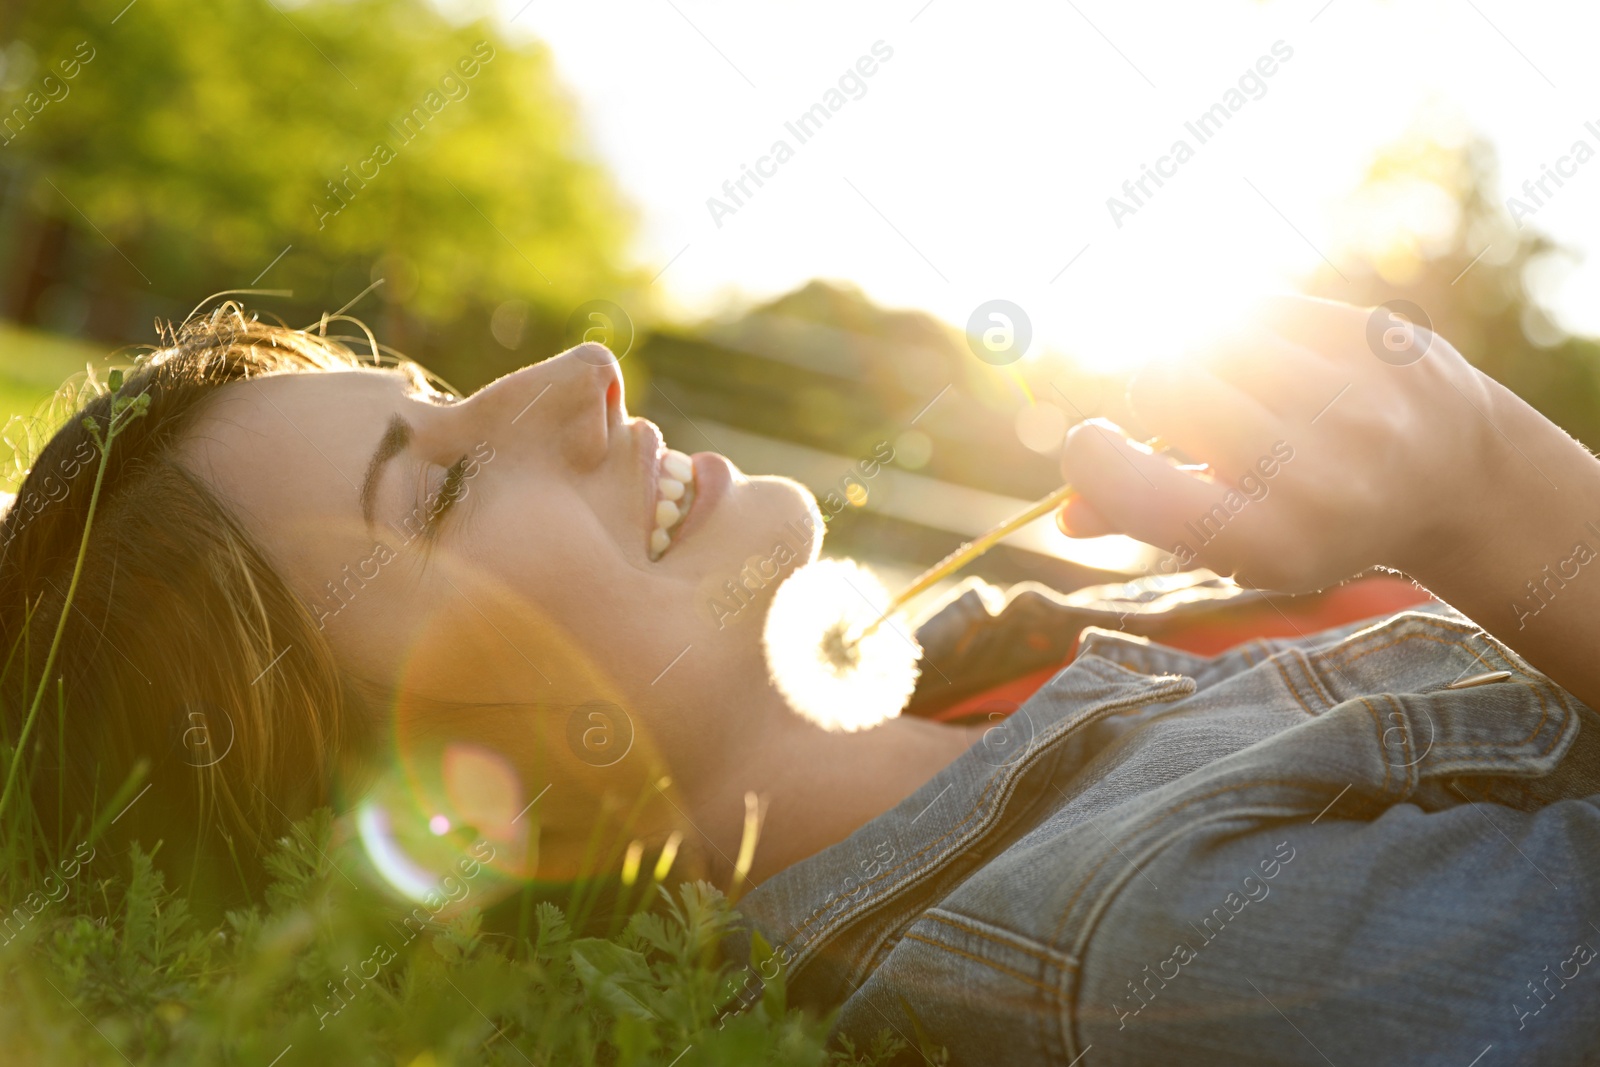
<point x="1372" y="844"/>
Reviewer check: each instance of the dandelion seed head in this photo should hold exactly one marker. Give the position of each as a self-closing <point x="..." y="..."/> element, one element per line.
<point x="828" y="674"/>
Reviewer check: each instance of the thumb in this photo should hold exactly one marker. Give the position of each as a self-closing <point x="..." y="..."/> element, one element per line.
<point x="1078" y="518"/>
<point x="1123" y="487"/>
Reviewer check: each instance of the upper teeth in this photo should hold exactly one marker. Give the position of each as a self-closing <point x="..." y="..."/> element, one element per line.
<point x="674" y="494"/>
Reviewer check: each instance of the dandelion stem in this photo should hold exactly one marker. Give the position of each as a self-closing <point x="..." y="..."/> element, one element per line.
<point x="967" y="553"/>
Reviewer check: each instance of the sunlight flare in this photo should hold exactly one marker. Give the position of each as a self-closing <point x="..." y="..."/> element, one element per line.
<point x="835" y="684"/>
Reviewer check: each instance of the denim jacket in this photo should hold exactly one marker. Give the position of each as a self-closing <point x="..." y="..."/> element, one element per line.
<point x="1378" y="844"/>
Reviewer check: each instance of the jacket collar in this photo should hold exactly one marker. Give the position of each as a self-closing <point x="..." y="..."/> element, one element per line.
<point x="821" y="920"/>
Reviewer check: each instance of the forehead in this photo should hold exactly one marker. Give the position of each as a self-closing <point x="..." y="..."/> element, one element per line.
<point x="287" y="453"/>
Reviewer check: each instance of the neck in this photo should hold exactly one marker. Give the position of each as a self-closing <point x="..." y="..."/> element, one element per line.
<point x="813" y="788"/>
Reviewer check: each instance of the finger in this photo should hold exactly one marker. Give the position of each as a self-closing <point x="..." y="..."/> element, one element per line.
<point x="1078" y="518"/>
<point x="1207" y="418"/>
<point x="1335" y="331"/>
<point x="1124" y="488"/>
<point x="1287" y="378"/>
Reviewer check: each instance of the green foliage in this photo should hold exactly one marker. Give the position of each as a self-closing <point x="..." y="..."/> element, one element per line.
<point x="1472" y="279"/>
<point x="195" y="142"/>
<point x="38" y="372"/>
<point x="123" y="971"/>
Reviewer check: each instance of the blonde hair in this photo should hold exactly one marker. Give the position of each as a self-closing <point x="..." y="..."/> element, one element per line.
<point x="184" y="653"/>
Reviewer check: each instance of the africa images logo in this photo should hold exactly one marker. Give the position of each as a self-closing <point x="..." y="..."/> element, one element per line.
<point x="805" y="126"/>
<point x="1203" y="128"/>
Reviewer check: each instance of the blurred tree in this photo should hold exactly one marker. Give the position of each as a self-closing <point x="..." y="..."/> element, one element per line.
<point x="1428" y="226"/>
<point x="193" y="143"/>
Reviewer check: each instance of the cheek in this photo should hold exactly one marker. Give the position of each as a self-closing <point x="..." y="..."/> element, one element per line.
<point x="561" y="570"/>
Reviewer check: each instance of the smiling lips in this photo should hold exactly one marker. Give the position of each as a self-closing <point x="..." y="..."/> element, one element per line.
<point x="674" y="495"/>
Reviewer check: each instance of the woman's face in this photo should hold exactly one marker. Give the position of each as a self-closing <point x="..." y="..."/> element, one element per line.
<point x="526" y="577"/>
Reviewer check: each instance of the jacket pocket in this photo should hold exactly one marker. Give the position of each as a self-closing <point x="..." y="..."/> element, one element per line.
<point x="1395" y="733"/>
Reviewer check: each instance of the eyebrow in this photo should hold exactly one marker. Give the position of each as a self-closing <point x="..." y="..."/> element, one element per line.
<point x="396" y="436"/>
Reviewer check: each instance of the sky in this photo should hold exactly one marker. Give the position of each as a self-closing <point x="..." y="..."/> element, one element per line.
<point x="978" y="158"/>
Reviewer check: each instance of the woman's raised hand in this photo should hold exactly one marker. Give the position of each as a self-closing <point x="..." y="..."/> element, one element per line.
<point x="1333" y="438"/>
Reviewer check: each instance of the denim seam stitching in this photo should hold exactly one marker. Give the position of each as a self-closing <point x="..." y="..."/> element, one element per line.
<point x="1103" y="901"/>
<point x="1142" y="655"/>
<point x="1383" y="636"/>
<point x="1555" y="735"/>
<point x="1524" y="679"/>
<point x="1412" y="767"/>
<point x="1318" y="687"/>
<point x="1147" y="694"/>
<point x="974" y="810"/>
<point x="1349" y="655"/>
<point x="1055" y="937"/>
<point x="1294" y="690"/>
<point x="1054" y="992"/>
<point x="1377" y="726"/>
<point x="1042" y="953"/>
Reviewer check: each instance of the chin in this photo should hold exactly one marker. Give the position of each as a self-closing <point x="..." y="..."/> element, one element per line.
<point x="782" y="531"/>
<point x="802" y="513"/>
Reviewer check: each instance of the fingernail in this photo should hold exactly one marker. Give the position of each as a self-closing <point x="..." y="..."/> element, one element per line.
<point x="1073" y="500"/>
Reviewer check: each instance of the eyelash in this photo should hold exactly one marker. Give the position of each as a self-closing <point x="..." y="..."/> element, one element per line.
<point x="450" y="491"/>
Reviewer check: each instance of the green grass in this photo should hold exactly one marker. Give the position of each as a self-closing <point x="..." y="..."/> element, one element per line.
<point x="324" y="973"/>
<point x="33" y="365"/>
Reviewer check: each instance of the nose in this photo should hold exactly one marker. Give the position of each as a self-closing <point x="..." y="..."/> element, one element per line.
<point x="609" y="373"/>
<point x="572" y="402"/>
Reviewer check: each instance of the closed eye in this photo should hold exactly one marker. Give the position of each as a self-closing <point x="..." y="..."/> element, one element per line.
<point x="449" y="492"/>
